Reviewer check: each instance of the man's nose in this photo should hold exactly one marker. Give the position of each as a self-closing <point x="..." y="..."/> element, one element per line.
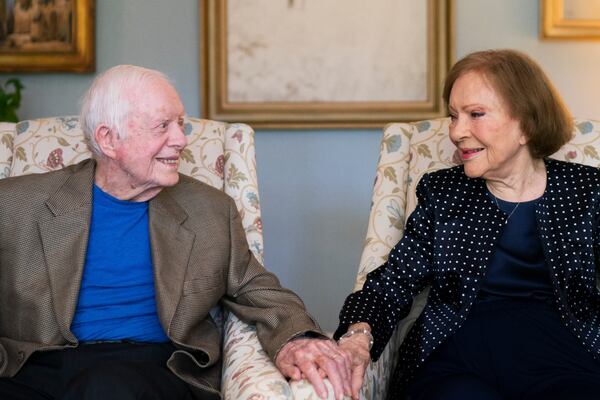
<point x="178" y="138"/>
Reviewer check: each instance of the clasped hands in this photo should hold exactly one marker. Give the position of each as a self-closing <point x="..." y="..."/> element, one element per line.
<point x="316" y="359"/>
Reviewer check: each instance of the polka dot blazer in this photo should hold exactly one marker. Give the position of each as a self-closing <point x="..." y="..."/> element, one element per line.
<point x="448" y="242"/>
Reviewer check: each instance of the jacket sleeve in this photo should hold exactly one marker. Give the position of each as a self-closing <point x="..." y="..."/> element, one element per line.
<point x="387" y="295"/>
<point x="596" y="239"/>
<point x="256" y="296"/>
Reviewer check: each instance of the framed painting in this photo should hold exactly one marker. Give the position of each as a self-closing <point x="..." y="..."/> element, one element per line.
<point x="324" y="63"/>
<point x="570" y="19"/>
<point x="47" y="35"/>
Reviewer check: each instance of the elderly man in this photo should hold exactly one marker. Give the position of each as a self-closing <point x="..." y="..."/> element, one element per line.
<point x="108" y="269"/>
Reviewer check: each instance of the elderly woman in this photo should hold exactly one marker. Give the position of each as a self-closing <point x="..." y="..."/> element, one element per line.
<point x="508" y="241"/>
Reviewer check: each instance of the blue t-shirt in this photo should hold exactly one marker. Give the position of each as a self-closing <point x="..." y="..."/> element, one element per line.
<point x="117" y="297"/>
<point x="518" y="268"/>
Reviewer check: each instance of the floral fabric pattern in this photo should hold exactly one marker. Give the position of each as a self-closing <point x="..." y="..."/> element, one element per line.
<point x="219" y="154"/>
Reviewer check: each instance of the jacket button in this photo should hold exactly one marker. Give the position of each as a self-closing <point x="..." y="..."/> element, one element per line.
<point x="20" y="356"/>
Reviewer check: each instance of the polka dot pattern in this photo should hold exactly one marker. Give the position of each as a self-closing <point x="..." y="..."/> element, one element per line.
<point x="448" y="242"/>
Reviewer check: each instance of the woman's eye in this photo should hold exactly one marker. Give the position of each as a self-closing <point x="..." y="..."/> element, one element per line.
<point x="452" y="117"/>
<point x="476" y="114"/>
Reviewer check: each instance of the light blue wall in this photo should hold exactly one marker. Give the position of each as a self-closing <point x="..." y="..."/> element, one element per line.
<point x="315" y="185"/>
<point x="316" y="191"/>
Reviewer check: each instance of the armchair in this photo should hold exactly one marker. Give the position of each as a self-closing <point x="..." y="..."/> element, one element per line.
<point x="407" y="152"/>
<point x="219" y="154"/>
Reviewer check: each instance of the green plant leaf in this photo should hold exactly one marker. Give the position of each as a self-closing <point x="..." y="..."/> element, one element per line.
<point x="10" y="100"/>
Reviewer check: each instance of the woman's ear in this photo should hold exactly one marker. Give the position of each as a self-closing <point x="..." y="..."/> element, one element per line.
<point x="523" y="139"/>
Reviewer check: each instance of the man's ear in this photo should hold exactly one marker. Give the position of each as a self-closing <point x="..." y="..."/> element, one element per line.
<point x="107" y="140"/>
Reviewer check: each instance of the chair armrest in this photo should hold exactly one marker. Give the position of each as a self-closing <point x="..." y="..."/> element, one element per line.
<point x="241" y="183"/>
<point x="304" y="390"/>
<point x="377" y="377"/>
<point x="378" y="374"/>
<point x="248" y="373"/>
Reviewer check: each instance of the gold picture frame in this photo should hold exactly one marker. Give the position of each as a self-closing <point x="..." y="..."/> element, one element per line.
<point x="43" y="36"/>
<point x="217" y="33"/>
<point x="570" y="19"/>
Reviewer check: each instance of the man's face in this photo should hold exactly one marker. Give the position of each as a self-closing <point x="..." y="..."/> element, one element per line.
<point x="147" y="155"/>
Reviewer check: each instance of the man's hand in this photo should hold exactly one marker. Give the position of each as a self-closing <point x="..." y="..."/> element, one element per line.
<point x="357" y="347"/>
<point x="315" y="359"/>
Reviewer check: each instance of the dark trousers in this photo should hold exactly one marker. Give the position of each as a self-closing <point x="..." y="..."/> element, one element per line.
<point x="509" y="349"/>
<point x="103" y="371"/>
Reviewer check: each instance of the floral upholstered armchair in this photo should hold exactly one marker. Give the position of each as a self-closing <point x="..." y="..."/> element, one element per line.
<point x="407" y="152"/>
<point x="219" y="154"/>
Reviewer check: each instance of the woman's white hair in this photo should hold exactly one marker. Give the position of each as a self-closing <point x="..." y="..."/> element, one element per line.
<point x="106" y="101"/>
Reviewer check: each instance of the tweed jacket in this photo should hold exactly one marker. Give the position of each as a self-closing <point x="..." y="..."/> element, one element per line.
<point x="200" y="258"/>
<point x="448" y="242"/>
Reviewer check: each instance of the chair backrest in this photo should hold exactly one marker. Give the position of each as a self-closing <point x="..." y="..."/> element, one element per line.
<point x="410" y="150"/>
<point x="219" y="154"/>
<point x="6" y="147"/>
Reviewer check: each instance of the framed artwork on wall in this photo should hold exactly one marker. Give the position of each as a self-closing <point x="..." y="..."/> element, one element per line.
<point x="47" y="35"/>
<point x="324" y="63"/>
<point x="570" y="19"/>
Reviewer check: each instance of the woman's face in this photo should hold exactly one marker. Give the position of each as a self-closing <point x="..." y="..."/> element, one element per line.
<point x="490" y="142"/>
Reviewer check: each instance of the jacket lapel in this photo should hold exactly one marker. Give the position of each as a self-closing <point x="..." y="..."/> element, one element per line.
<point x="171" y="248"/>
<point x="64" y="239"/>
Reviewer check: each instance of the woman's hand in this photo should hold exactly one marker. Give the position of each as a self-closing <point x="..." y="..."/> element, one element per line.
<point x="357" y="347"/>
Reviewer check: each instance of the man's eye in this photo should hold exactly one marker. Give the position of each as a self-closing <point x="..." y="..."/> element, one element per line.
<point x="164" y="125"/>
<point x="180" y="122"/>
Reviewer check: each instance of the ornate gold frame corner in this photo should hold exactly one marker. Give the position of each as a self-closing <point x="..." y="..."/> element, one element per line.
<point x="80" y="60"/>
<point x="554" y="25"/>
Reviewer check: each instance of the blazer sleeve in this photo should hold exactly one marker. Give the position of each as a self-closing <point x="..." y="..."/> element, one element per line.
<point x="256" y="296"/>
<point x="388" y="292"/>
<point x="596" y="239"/>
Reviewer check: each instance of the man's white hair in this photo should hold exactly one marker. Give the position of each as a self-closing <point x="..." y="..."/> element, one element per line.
<point x="106" y="101"/>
